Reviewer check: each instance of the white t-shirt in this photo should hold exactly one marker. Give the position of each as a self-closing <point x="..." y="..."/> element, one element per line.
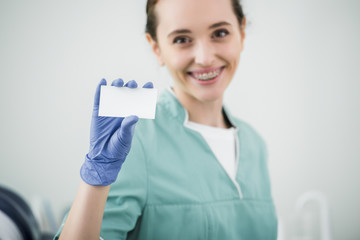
<point x="222" y="142"/>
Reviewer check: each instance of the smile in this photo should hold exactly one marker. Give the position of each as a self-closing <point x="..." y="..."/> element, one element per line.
<point x="206" y="75"/>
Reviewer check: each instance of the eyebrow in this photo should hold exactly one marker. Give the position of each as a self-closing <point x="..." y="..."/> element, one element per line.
<point x="219" y="24"/>
<point x="179" y="31"/>
<point x="182" y="31"/>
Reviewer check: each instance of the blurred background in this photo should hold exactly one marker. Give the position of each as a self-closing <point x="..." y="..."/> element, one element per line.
<point x="298" y="84"/>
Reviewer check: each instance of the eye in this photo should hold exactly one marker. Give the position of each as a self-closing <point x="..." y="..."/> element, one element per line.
<point x="181" y="40"/>
<point x="221" y="33"/>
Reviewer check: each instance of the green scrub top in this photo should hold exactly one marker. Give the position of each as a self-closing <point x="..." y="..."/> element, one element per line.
<point x="172" y="186"/>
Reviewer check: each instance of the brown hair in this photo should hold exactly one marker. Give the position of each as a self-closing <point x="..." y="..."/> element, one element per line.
<point x="151" y="21"/>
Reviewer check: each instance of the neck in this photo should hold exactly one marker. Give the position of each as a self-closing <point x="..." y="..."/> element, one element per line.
<point x="203" y="112"/>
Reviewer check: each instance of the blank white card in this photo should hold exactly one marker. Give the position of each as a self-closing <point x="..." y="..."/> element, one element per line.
<point x="124" y="101"/>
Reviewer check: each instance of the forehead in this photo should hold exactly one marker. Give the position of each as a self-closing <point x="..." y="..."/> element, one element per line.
<point x="189" y="14"/>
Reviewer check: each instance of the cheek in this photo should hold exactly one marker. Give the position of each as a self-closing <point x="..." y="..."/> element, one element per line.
<point x="231" y="52"/>
<point x="178" y="60"/>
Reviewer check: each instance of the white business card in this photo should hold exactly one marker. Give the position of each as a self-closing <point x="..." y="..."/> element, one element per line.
<point x="124" y="101"/>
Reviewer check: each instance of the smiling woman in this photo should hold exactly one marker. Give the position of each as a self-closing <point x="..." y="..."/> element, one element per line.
<point x="201" y="51"/>
<point x="195" y="172"/>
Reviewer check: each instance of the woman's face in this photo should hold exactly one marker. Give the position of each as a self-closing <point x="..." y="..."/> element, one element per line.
<point x="200" y="43"/>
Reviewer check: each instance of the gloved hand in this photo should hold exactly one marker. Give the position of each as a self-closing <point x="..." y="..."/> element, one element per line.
<point x="110" y="142"/>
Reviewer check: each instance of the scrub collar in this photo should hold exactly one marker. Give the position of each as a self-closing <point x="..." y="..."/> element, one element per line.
<point x="184" y="115"/>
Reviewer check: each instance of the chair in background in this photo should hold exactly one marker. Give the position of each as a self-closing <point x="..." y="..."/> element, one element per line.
<point x="15" y="209"/>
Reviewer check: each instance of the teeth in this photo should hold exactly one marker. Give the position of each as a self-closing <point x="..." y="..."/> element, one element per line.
<point x="207" y="76"/>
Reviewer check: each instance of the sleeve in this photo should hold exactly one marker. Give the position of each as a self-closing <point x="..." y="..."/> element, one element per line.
<point x="126" y="198"/>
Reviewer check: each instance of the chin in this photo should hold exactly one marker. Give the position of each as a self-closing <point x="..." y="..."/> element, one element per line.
<point x="209" y="96"/>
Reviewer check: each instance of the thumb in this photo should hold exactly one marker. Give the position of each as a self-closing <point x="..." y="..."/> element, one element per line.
<point x="127" y="128"/>
<point x="120" y="142"/>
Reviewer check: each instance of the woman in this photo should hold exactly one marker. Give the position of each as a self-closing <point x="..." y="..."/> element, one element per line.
<point x="195" y="172"/>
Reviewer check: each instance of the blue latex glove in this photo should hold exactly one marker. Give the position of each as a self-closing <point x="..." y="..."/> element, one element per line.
<point x="110" y="142"/>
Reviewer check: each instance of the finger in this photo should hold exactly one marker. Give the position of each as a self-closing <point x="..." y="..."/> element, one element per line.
<point x="131" y="84"/>
<point x="97" y="92"/>
<point x="148" y="85"/>
<point x="118" y="83"/>
<point x="127" y="128"/>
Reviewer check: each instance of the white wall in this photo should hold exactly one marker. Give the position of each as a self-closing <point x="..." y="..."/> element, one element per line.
<point x="297" y="84"/>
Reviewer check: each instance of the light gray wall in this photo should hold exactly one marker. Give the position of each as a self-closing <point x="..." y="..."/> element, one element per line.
<point x="297" y="84"/>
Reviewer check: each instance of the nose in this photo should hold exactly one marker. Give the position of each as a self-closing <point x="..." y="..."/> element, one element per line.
<point x="204" y="53"/>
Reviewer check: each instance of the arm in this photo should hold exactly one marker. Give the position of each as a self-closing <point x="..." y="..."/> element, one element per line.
<point x="85" y="217"/>
<point x="110" y="142"/>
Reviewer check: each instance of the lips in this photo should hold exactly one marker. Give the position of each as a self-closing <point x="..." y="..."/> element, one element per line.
<point x="206" y="74"/>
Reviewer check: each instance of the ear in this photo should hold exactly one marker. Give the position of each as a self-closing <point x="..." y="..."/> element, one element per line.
<point x="155" y="48"/>
<point x="242" y="32"/>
